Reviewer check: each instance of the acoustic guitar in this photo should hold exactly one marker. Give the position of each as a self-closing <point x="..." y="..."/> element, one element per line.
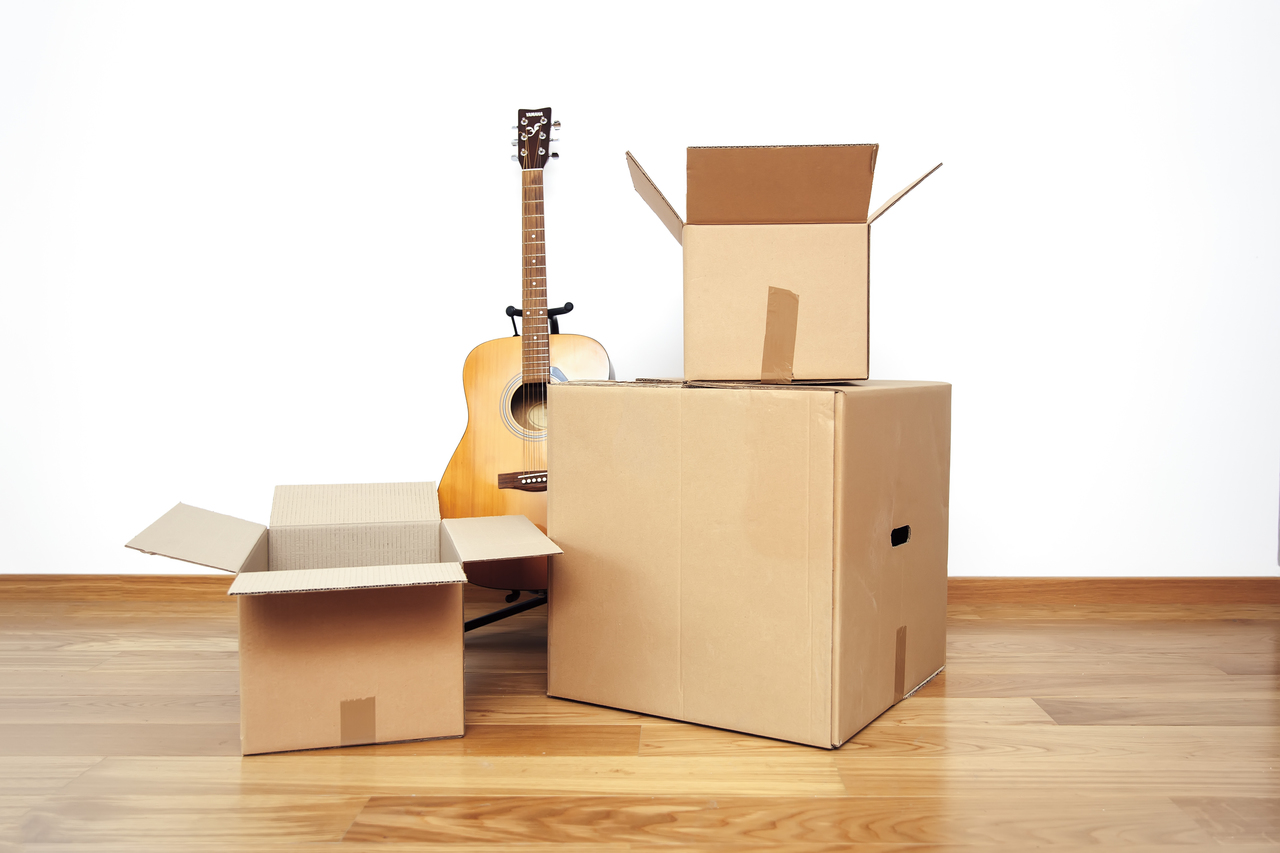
<point x="500" y="466"/>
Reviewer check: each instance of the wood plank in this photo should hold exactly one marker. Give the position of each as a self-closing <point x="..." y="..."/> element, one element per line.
<point x="46" y="660"/>
<point x="1028" y="777"/>
<point x="1117" y="591"/>
<point x="1137" y="663"/>
<point x="169" y="660"/>
<point x="1099" y="685"/>
<point x="98" y="682"/>
<point x="1212" y="745"/>
<point x="774" y="821"/>
<point x="120" y="739"/>
<point x="306" y="774"/>
<point x="1002" y="637"/>
<point x="920" y="710"/>
<point x="145" y="708"/>
<point x="518" y="740"/>
<point x="40" y="775"/>
<point x="114" y="587"/>
<point x="1235" y="820"/>
<point x="1246" y="664"/>
<point x="173" y="818"/>
<point x="1130" y="614"/>
<point x="1164" y="711"/>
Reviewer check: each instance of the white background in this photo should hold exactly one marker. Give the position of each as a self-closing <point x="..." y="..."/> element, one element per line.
<point x="249" y="244"/>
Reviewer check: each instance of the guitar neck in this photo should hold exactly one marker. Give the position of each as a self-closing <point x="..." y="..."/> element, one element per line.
<point x="534" y="331"/>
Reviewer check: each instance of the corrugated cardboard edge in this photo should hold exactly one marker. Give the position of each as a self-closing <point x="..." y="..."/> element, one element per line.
<point x="350" y="577"/>
<point x="653" y="197"/>
<point x="493" y="538"/>
<point x="205" y="538"/>
<point x="898" y="196"/>
<point x="363" y="504"/>
<point x="779" y="337"/>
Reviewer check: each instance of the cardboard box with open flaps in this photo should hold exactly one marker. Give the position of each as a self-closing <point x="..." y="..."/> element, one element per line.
<point x="350" y="608"/>
<point x="792" y="217"/>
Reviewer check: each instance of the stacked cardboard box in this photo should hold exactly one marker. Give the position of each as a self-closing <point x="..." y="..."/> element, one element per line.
<point x="350" y="608"/>
<point x="761" y="547"/>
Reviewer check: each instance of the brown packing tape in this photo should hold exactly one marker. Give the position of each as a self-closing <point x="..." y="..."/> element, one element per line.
<point x="900" y="665"/>
<point x="359" y="721"/>
<point x="779" y="337"/>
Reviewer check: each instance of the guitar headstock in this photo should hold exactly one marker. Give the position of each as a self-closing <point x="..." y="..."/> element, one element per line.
<point x="533" y="141"/>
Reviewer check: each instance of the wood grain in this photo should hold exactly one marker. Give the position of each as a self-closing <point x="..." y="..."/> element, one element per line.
<point x="1235" y="820"/>
<point x="1056" y="725"/>
<point x="1164" y="711"/>
<point x="114" y="587"/>
<point x="1115" y="591"/>
<point x="662" y="821"/>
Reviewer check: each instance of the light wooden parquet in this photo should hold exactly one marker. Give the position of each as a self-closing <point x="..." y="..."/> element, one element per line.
<point x="1082" y="716"/>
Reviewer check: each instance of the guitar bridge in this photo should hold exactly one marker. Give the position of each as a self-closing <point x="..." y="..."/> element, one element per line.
<point x="525" y="481"/>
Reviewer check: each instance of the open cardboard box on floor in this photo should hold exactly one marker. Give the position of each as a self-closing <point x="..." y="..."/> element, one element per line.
<point x="771" y="560"/>
<point x="793" y="218"/>
<point x="350" y="608"/>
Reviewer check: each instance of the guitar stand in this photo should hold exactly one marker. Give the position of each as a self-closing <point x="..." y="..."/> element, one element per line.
<point x="552" y="313"/>
<point x="539" y="599"/>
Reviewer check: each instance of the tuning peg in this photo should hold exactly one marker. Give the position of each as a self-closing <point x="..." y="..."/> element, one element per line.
<point x="556" y="124"/>
<point x="515" y="159"/>
<point x="515" y="127"/>
<point x="555" y="139"/>
<point x="555" y="155"/>
<point x="515" y="142"/>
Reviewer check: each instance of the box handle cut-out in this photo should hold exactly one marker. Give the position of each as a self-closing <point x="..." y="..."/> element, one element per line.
<point x="900" y="535"/>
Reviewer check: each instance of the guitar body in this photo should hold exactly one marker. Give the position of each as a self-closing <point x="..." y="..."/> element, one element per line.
<point x="498" y="440"/>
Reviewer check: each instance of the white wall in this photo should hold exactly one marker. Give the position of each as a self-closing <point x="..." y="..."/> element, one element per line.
<point x="246" y="244"/>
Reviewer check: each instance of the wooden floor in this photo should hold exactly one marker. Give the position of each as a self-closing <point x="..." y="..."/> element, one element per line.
<point x="1070" y="716"/>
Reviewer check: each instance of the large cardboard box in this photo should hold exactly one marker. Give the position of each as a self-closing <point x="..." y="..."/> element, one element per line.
<point x="771" y="560"/>
<point x="350" y="624"/>
<point x="793" y="218"/>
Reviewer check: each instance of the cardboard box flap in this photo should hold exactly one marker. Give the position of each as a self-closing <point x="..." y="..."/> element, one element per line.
<point x="501" y="537"/>
<point x="781" y="184"/>
<point x="353" y="577"/>
<point x="654" y="198"/>
<point x="354" y="503"/>
<point x="894" y="199"/>
<point x="205" y="538"/>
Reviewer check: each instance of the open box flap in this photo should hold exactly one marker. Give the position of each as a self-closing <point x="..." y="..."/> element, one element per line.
<point x="500" y="537"/>
<point x="654" y="198"/>
<point x="779" y="184"/>
<point x="351" y="577"/>
<point x="894" y="199"/>
<point x="206" y="538"/>
<point x="354" y="503"/>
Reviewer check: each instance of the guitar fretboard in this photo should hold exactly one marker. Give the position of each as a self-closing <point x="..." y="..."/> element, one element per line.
<point x="535" y="346"/>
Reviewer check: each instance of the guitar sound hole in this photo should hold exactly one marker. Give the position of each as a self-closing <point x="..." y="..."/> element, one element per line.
<point x="529" y="406"/>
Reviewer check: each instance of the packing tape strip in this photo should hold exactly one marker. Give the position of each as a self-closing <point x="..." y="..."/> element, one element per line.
<point x="900" y="665"/>
<point x="358" y="721"/>
<point x="779" y="337"/>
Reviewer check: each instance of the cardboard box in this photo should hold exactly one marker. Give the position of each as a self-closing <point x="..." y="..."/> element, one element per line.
<point x="794" y="218"/>
<point x="350" y="624"/>
<point x="771" y="560"/>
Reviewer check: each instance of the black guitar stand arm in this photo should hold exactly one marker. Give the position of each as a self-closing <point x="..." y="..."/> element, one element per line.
<point x="513" y="312"/>
<point x="539" y="599"/>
